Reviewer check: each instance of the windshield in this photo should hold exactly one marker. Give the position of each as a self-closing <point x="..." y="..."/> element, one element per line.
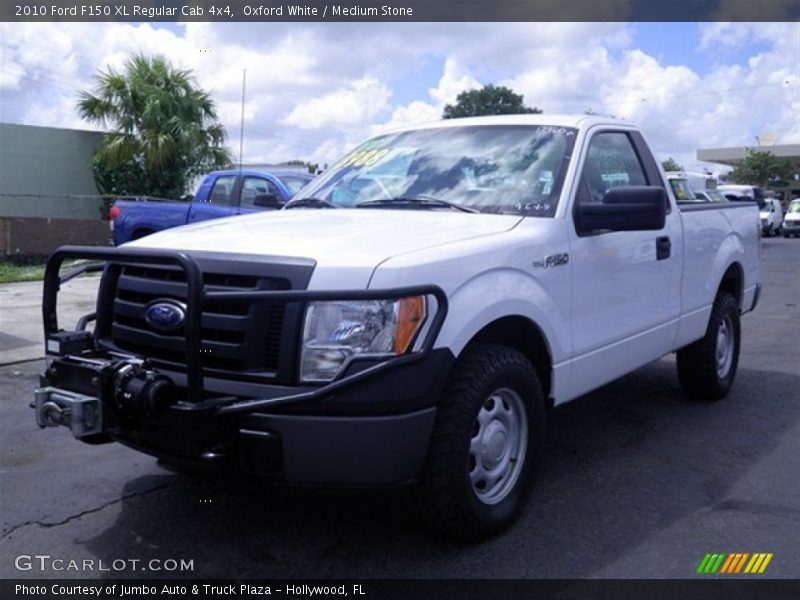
<point x="794" y="207"/>
<point x="295" y="183"/>
<point x="503" y="169"/>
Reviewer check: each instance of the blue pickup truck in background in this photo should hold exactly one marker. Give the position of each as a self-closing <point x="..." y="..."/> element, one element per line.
<point x="222" y="194"/>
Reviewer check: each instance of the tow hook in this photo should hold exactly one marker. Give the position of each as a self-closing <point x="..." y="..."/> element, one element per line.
<point x="53" y="415"/>
<point x="55" y="407"/>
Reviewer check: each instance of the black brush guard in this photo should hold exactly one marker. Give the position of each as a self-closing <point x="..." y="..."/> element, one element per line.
<point x="197" y="296"/>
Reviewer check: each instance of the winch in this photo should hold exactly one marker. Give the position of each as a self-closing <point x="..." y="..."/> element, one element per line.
<point x="135" y="389"/>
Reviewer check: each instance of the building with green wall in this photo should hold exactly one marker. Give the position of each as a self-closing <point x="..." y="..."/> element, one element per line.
<point x="47" y="192"/>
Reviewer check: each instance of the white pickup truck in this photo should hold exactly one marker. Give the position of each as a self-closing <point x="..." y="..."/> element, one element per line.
<point x="410" y="316"/>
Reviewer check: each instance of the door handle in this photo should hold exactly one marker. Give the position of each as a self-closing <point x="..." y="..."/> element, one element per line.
<point x="663" y="247"/>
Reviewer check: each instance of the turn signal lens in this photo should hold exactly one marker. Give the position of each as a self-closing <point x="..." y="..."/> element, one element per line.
<point x="410" y="316"/>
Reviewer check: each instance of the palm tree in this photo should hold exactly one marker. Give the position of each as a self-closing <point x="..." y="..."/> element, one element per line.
<point x="164" y="130"/>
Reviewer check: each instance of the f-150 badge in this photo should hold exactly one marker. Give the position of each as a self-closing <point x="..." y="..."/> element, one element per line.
<point x="552" y="260"/>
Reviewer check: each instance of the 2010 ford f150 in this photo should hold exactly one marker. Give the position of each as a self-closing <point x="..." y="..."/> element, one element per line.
<point x="410" y="315"/>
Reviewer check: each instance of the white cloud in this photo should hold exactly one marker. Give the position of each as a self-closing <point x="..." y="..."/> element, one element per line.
<point x="455" y="79"/>
<point x="314" y="90"/>
<point x="357" y="104"/>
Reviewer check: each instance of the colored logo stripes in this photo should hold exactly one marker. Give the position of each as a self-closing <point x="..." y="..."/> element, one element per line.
<point x="735" y="563"/>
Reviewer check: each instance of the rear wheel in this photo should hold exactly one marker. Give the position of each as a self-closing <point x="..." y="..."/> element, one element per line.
<point x="707" y="367"/>
<point x="486" y="444"/>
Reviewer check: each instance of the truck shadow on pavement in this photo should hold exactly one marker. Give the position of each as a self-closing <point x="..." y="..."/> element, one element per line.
<point x="621" y="465"/>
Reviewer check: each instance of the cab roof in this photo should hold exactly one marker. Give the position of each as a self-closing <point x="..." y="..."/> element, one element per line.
<point x="574" y="121"/>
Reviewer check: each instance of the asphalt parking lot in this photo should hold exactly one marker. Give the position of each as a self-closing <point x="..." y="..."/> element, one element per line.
<point x="638" y="482"/>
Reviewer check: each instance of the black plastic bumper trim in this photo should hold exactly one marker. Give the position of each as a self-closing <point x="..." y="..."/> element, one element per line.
<point x="379" y="450"/>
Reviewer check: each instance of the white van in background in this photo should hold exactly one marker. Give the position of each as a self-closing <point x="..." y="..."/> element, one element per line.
<point x="791" y="222"/>
<point x="771" y="215"/>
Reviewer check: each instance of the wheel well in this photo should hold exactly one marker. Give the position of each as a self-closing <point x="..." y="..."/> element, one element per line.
<point x="524" y="336"/>
<point x="140" y="233"/>
<point x="732" y="282"/>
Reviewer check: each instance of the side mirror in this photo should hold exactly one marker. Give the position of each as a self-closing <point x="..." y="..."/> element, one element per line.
<point x="267" y="201"/>
<point x="629" y="208"/>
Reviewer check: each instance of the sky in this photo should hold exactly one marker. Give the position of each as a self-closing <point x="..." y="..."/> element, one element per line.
<point x="315" y="90"/>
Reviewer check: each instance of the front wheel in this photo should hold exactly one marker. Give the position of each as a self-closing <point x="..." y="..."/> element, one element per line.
<point x="486" y="444"/>
<point x="707" y="367"/>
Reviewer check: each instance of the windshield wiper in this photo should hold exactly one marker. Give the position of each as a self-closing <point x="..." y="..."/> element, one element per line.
<point x="309" y="202"/>
<point x="420" y="201"/>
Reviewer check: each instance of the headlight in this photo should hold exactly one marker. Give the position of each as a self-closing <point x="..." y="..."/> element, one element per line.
<point x="337" y="331"/>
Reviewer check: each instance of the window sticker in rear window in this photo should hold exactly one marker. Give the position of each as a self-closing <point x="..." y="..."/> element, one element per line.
<point x="680" y="188"/>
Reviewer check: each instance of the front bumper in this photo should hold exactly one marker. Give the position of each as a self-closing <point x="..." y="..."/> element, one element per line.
<point x="369" y="427"/>
<point x="306" y="444"/>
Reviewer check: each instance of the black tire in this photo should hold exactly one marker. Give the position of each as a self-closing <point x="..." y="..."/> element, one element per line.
<point x="490" y="381"/>
<point x="707" y="368"/>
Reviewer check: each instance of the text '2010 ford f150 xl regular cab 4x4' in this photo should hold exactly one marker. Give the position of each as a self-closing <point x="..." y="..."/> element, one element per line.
<point x="410" y="315"/>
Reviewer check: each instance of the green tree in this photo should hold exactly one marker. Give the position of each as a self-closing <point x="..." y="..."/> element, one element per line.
<point x="489" y="100"/>
<point x="312" y="168"/>
<point x="760" y="168"/>
<point x="164" y="130"/>
<point x="671" y="165"/>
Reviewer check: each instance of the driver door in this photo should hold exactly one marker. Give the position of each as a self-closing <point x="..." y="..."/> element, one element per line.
<point x="626" y="286"/>
<point x="219" y="203"/>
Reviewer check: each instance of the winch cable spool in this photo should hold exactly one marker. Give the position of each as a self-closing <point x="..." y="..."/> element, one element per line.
<point x="141" y="391"/>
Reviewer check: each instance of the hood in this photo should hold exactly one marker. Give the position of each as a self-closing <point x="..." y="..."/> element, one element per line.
<point x="331" y="237"/>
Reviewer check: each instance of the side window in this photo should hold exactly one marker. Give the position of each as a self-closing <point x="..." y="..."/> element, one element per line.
<point x="254" y="186"/>
<point x="610" y="162"/>
<point x="221" y="192"/>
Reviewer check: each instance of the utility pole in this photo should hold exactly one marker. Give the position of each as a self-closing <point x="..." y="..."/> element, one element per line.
<point x="241" y="128"/>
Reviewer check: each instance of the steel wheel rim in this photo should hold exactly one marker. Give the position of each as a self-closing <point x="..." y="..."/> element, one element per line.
<point x="724" y="347"/>
<point x="498" y="446"/>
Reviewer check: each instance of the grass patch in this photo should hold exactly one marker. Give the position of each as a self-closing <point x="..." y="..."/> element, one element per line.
<point x="10" y="272"/>
<point x="28" y="269"/>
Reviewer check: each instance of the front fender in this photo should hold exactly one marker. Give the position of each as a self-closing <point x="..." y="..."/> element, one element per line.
<point x="500" y="293"/>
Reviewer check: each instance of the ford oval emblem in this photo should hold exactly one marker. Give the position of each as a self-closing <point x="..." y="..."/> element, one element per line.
<point x="165" y="315"/>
